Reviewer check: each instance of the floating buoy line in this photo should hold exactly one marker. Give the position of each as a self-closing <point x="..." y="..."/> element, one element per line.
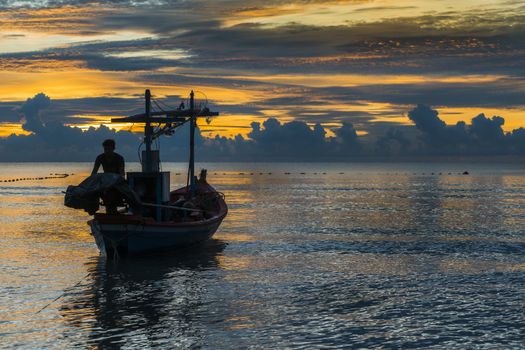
<point x="61" y="176"/>
<point x="342" y="173"/>
<point x="51" y="176"/>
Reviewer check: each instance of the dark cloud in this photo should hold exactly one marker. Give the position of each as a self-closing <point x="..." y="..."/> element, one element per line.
<point x="8" y="4"/>
<point x="270" y="141"/>
<point x="31" y="111"/>
<point x="13" y="36"/>
<point x="236" y="4"/>
<point x="72" y="111"/>
<point x="52" y="141"/>
<point x="483" y="137"/>
<point x="394" y="143"/>
<point x="289" y="140"/>
<point x="493" y="94"/>
<point x="8" y="112"/>
<point x="475" y="42"/>
<point x="383" y="8"/>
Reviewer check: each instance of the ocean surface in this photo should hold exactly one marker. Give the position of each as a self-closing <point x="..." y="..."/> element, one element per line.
<point x="328" y="256"/>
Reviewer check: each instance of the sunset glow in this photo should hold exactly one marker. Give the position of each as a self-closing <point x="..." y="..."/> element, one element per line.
<point x="361" y="63"/>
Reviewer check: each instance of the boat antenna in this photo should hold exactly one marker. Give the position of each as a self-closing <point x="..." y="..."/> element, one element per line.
<point x="148" y="131"/>
<point x="191" y="170"/>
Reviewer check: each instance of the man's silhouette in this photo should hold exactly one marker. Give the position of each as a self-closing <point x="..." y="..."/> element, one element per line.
<point x="111" y="162"/>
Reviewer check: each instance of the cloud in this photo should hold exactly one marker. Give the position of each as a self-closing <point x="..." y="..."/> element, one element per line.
<point x="476" y="41"/>
<point x="455" y="43"/>
<point x="288" y="140"/>
<point x="31" y="111"/>
<point x="483" y="137"/>
<point x="13" y="36"/>
<point x="53" y="141"/>
<point x="393" y="143"/>
<point x="271" y="140"/>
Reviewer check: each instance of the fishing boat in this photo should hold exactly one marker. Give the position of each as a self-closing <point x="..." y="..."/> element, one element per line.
<point x="160" y="219"/>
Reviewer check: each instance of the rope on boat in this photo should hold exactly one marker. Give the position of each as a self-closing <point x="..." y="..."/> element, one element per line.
<point x="66" y="291"/>
<point x="171" y="207"/>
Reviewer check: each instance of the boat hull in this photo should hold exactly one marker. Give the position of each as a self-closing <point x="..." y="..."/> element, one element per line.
<point x="121" y="235"/>
<point x="131" y="239"/>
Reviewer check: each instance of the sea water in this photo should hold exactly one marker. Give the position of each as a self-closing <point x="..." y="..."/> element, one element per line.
<point x="310" y="256"/>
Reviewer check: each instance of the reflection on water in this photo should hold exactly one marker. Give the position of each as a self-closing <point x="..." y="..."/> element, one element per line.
<point x="365" y="255"/>
<point x="154" y="298"/>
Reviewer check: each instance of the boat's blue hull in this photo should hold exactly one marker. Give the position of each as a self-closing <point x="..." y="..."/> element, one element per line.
<point x="125" y="239"/>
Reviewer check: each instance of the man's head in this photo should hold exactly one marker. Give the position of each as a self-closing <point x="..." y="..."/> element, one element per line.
<point x="109" y="146"/>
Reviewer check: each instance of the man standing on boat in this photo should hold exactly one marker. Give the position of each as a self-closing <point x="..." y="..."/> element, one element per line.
<point x="111" y="161"/>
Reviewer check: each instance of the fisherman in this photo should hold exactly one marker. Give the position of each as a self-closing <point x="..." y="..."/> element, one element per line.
<point x="111" y="162"/>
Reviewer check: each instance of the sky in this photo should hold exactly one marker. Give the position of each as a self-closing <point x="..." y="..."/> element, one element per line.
<point x="292" y="79"/>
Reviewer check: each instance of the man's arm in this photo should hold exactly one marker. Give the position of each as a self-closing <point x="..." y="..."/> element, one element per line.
<point x="96" y="166"/>
<point x="121" y="167"/>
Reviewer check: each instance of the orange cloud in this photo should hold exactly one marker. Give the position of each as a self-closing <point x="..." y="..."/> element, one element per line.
<point x="350" y="80"/>
<point x="514" y="117"/>
<point x="7" y="129"/>
<point x="65" y="19"/>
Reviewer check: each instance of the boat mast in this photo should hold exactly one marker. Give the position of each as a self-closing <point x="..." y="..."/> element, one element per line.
<point x="191" y="170"/>
<point x="171" y="119"/>
<point x="148" y="131"/>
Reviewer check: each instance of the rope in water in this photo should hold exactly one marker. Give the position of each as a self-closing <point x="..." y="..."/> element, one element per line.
<point x="66" y="291"/>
